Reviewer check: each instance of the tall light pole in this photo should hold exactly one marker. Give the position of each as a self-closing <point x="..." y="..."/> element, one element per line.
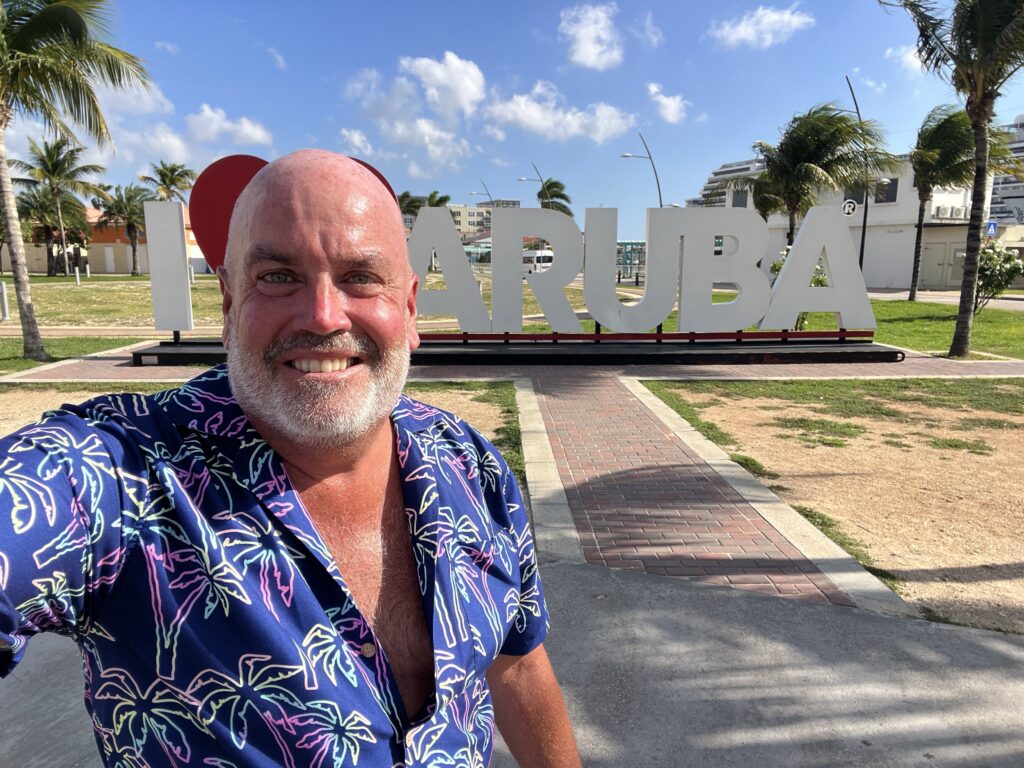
<point x="485" y="192"/>
<point x="653" y="168"/>
<point x="539" y="179"/>
<point x="864" y="221"/>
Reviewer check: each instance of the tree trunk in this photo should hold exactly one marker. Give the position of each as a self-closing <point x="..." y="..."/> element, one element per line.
<point x="51" y="259"/>
<point x="31" y="342"/>
<point x="924" y="196"/>
<point x="134" y="239"/>
<point x="961" y="344"/>
<point x="63" y="233"/>
<point x="792" y="227"/>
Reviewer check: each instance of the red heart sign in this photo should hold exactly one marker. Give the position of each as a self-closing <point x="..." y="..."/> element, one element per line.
<point x="215" y="193"/>
<point x="213" y="199"/>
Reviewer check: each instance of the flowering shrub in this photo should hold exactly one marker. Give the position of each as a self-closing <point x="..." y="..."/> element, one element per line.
<point x="998" y="267"/>
<point x="819" y="280"/>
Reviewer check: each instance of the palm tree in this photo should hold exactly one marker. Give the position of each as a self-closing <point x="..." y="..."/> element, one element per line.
<point x="123" y="208"/>
<point x="943" y="156"/>
<point x="977" y="49"/>
<point x="436" y="200"/>
<point x="169" y="180"/>
<point x="409" y="205"/>
<point x="552" y="195"/>
<point x="38" y="211"/>
<point x="825" y="148"/>
<point x="52" y="56"/>
<point x="56" y="166"/>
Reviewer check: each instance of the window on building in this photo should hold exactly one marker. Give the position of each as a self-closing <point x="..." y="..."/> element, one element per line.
<point x="887" y="194"/>
<point x="739" y="198"/>
<point x="857" y="195"/>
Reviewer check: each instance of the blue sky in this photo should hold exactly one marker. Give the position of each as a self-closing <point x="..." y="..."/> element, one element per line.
<point x="442" y="96"/>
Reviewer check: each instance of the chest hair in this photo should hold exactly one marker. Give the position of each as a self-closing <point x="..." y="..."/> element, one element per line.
<point x="366" y="532"/>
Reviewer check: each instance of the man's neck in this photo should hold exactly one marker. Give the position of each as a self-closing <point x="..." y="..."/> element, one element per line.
<point x="311" y="464"/>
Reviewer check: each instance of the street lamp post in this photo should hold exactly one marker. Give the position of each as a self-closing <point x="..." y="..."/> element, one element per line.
<point x="864" y="220"/>
<point x="485" y="192"/>
<point x="653" y="168"/>
<point x="540" y="180"/>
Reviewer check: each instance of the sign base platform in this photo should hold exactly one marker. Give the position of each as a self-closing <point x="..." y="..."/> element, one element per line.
<point x="606" y="352"/>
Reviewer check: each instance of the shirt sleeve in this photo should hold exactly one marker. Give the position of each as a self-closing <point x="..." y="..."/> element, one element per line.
<point x="61" y="495"/>
<point x="530" y="625"/>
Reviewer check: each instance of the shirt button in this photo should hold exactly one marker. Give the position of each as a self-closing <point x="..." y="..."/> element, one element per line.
<point x="368" y="650"/>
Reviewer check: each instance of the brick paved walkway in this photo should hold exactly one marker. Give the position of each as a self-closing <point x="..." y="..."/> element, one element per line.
<point x="640" y="498"/>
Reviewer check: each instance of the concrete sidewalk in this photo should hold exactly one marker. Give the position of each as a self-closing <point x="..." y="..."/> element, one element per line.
<point x="638" y="519"/>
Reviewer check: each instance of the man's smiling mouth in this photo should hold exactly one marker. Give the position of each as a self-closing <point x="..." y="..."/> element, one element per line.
<point x="316" y="365"/>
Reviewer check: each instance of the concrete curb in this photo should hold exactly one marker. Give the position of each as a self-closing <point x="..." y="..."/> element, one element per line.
<point x="846" y="573"/>
<point x="556" y="536"/>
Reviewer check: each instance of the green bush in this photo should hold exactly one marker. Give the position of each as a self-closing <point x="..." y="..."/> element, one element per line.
<point x="998" y="267"/>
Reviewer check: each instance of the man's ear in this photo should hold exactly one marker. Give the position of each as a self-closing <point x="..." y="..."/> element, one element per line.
<point x="414" y="335"/>
<point x="225" y="301"/>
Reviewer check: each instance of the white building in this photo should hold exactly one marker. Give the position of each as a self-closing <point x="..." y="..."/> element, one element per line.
<point x="891" y="228"/>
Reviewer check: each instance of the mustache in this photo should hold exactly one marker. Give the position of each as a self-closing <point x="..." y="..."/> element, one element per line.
<point x="347" y="343"/>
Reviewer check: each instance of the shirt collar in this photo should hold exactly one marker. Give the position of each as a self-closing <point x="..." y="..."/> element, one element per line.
<point x="206" y="404"/>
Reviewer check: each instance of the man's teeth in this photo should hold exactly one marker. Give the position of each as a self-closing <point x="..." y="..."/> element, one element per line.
<point x="322" y="366"/>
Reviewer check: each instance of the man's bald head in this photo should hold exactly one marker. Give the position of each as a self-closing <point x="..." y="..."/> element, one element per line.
<point x="296" y="187"/>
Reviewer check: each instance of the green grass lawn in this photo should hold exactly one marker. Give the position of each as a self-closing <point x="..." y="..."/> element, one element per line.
<point x="121" y="302"/>
<point x="11" y="360"/>
<point x="929" y="327"/>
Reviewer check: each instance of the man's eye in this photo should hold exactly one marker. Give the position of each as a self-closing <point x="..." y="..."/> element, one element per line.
<point x="276" y="278"/>
<point x="361" y="279"/>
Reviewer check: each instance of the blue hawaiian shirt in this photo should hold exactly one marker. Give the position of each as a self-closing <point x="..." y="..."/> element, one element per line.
<point x="162" y="534"/>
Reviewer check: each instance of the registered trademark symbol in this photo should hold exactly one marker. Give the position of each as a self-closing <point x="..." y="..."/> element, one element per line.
<point x="849" y="207"/>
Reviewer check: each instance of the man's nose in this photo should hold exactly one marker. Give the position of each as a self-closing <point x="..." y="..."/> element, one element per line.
<point x="328" y="309"/>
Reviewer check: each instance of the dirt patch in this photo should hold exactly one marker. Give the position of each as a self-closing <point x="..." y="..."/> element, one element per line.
<point x="946" y="521"/>
<point x="19" y="407"/>
<point x="486" y="417"/>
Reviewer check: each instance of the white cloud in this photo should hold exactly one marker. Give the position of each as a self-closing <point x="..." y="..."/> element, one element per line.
<point x="133" y="101"/>
<point x="210" y="123"/>
<point x="671" y="108"/>
<point x="443" y="148"/>
<point x="594" y="42"/>
<point x="761" y="28"/>
<point x="415" y="171"/>
<point x="451" y="86"/>
<point x="648" y="31"/>
<point x="365" y="83"/>
<point x="878" y="87"/>
<point x="701" y="118"/>
<point x="357" y="142"/>
<point x="494" y="132"/>
<point x="166" y="47"/>
<point x="279" y="61"/>
<point x="906" y="56"/>
<point x="157" y="142"/>
<point x="542" y="111"/>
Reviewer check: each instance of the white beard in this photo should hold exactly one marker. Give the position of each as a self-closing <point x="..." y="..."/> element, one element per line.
<point x="317" y="413"/>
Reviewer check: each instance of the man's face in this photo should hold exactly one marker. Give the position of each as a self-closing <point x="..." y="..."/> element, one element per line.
<point x="319" y="301"/>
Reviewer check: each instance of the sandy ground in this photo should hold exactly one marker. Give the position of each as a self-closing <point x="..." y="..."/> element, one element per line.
<point x="948" y="523"/>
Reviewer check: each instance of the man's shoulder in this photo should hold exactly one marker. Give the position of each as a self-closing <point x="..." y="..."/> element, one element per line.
<point x="131" y="415"/>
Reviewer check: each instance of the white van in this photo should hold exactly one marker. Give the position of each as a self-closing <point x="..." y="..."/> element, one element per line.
<point x="537" y="261"/>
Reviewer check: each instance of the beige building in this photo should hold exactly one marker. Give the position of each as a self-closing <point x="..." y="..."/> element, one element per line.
<point x="109" y="250"/>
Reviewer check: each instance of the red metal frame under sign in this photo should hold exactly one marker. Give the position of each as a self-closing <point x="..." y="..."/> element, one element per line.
<point x="689" y="336"/>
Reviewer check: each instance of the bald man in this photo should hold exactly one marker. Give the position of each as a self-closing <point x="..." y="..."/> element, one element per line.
<point x="285" y="561"/>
